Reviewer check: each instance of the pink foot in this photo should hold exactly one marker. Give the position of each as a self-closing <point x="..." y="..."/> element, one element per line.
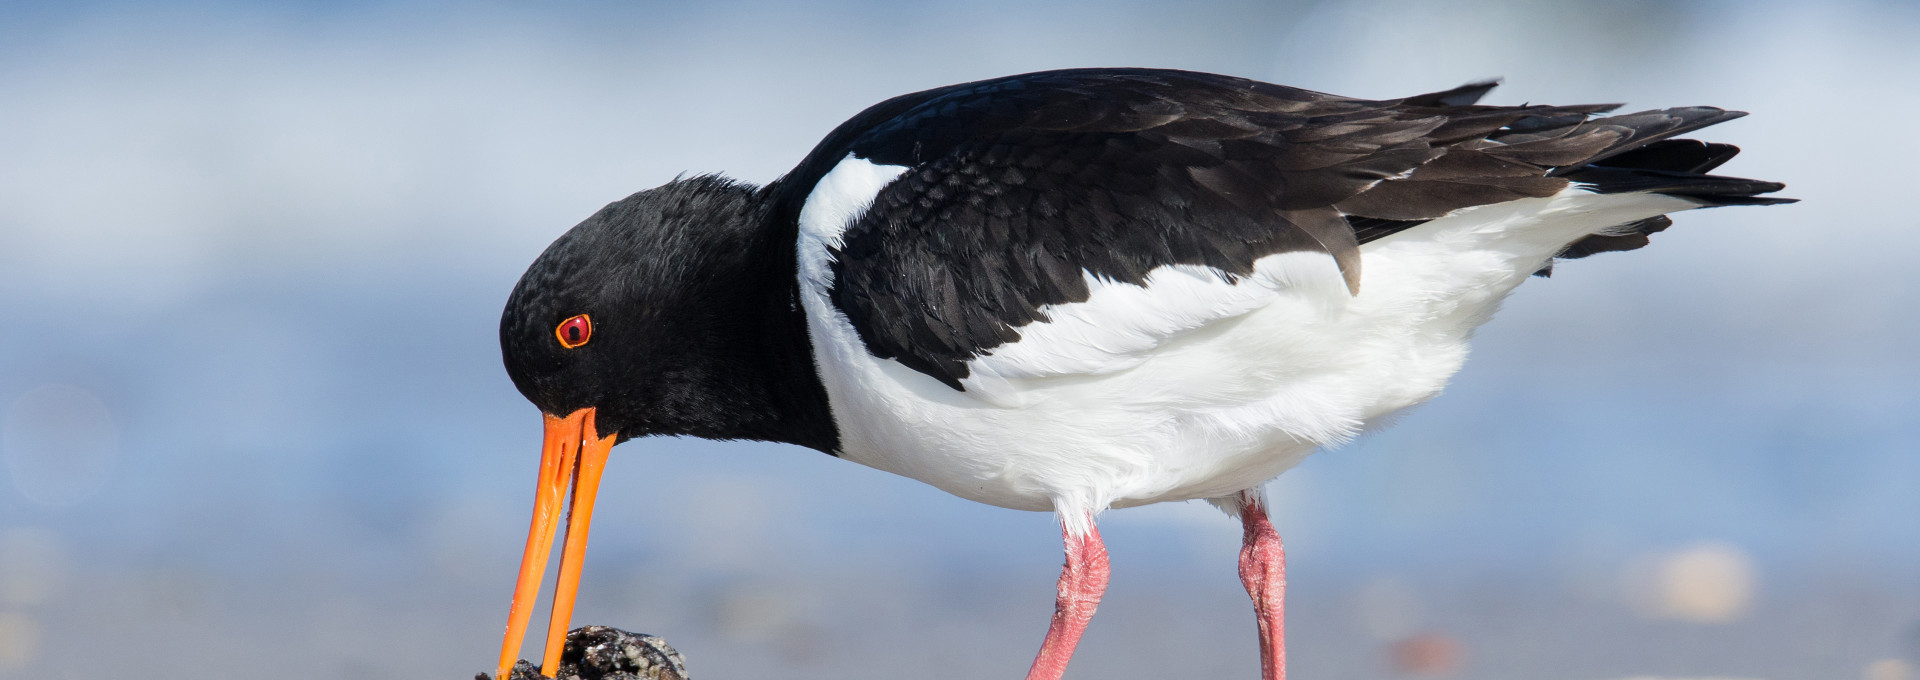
<point x="1082" y="581"/>
<point x="1263" y="569"/>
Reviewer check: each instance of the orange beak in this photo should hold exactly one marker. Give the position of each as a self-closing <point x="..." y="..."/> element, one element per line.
<point x="573" y="454"/>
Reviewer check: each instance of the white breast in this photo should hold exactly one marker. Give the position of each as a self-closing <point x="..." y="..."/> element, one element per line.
<point x="1190" y="386"/>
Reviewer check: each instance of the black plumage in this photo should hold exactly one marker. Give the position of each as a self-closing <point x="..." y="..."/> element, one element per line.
<point x="682" y="310"/>
<point x="696" y="330"/>
<point x="1016" y="186"/>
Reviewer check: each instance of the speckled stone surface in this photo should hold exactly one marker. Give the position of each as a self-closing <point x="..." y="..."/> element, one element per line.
<point x="602" y="653"/>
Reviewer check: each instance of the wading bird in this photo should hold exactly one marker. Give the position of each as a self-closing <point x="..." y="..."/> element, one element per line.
<point x="1078" y="290"/>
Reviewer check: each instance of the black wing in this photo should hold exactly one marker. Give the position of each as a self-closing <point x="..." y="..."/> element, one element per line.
<point x="1018" y="185"/>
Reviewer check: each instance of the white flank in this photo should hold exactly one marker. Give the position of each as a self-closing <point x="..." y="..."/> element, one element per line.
<point x="1190" y="386"/>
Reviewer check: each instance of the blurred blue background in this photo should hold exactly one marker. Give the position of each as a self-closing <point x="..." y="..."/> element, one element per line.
<point x="254" y="423"/>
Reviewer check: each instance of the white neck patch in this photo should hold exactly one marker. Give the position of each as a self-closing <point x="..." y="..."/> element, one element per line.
<point x="838" y="199"/>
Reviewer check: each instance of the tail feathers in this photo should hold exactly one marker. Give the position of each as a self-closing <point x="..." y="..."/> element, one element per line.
<point x="1673" y="167"/>
<point x="1639" y="130"/>
<point x="1648" y="159"/>
<point x="1493" y="154"/>
<point x="1675" y="155"/>
<point x="1629" y="236"/>
<point x="1645" y="157"/>
<point x="1708" y="190"/>
<point x="1676" y="167"/>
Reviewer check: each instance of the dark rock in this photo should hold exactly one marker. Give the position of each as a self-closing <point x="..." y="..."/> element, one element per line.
<point x="602" y="653"/>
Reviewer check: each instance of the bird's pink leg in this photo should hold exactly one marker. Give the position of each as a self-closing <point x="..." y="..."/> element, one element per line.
<point x="1263" y="568"/>
<point x="1082" y="581"/>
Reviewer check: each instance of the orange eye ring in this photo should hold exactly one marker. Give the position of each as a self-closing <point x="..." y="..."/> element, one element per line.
<point x="574" y="332"/>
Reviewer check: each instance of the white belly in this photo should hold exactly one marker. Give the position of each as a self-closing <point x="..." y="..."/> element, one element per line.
<point x="1190" y="387"/>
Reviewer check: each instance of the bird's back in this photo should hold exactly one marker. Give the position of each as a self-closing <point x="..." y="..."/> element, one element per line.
<point x="1087" y="289"/>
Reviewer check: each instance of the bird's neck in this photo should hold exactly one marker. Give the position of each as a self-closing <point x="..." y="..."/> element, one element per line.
<point x="789" y="379"/>
<point x="759" y="381"/>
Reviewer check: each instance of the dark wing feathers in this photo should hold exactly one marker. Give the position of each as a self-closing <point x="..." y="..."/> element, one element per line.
<point x="1018" y="187"/>
<point x="1464" y="95"/>
<point x="1646" y="127"/>
<point x="1676" y="155"/>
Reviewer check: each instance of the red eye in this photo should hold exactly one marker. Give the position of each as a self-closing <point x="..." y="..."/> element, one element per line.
<point x="574" y="332"/>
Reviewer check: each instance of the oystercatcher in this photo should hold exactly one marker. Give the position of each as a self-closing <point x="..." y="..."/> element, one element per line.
<point x="1078" y="290"/>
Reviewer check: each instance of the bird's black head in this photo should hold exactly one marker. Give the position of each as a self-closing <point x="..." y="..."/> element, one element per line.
<point x="665" y="313"/>
<point x="673" y="311"/>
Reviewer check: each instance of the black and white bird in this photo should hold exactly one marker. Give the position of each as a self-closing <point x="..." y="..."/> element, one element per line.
<point x="1079" y="290"/>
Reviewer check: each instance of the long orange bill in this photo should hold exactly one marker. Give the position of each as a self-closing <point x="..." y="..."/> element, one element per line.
<point x="573" y="454"/>
<point x="573" y="550"/>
